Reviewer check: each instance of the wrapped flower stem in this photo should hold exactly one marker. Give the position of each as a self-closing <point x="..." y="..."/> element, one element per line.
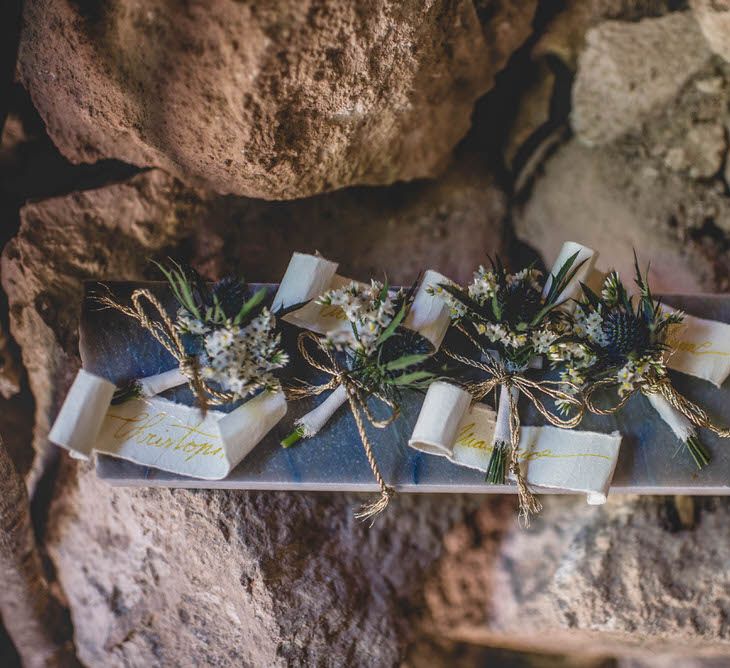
<point x="496" y="472"/>
<point x="625" y="346"/>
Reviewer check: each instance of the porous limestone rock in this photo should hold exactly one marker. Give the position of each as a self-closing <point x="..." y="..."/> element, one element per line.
<point x="714" y="19"/>
<point x="270" y="101"/>
<point x="160" y="577"/>
<point x="600" y="199"/>
<point x="629" y="70"/>
<point x="625" y="578"/>
<point x="659" y="189"/>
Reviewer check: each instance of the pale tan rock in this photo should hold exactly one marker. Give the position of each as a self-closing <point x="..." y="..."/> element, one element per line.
<point x="714" y="19"/>
<point x="271" y="101"/>
<point x="630" y="70"/>
<point x="702" y="151"/>
<point x="605" y="201"/>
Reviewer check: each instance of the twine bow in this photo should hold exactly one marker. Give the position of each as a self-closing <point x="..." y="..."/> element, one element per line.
<point x="163" y="330"/>
<point x="664" y="388"/>
<point x="532" y="389"/>
<point x="357" y="393"/>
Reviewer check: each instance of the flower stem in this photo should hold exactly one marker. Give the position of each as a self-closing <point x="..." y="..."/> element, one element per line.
<point x="497" y="464"/>
<point x="293" y="438"/>
<point x="698" y="451"/>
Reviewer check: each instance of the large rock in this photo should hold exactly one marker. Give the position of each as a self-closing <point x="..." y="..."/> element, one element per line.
<point x="625" y="578"/>
<point x="159" y="578"/>
<point x="714" y="19"/>
<point x="629" y="70"/>
<point x="276" y="102"/>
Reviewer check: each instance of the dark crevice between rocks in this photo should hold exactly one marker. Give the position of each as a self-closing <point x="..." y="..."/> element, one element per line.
<point x="494" y="116"/>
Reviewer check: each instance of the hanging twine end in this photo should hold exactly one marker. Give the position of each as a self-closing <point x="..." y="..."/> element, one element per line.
<point x="370" y="511"/>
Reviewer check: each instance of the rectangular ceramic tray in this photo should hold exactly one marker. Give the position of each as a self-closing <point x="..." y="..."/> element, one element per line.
<point x="651" y="459"/>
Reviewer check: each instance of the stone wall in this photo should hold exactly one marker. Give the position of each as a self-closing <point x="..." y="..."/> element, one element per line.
<point x="392" y="136"/>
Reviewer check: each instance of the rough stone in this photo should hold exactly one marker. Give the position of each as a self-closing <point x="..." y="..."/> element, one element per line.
<point x="714" y="19"/>
<point x="630" y="70"/>
<point x="157" y="577"/>
<point x="272" y="102"/>
<point x="611" y="203"/>
<point x="702" y="152"/>
<point x="109" y="232"/>
<point x="624" y="578"/>
<point x="450" y="224"/>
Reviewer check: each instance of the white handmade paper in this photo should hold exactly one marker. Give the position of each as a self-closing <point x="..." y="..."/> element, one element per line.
<point x="701" y="348"/>
<point x="157" y="384"/>
<point x="429" y="315"/>
<point x="162" y="434"/>
<point x="306" y="278"/>
<point x="577" y="461"/>
<point x="585" y="255"/>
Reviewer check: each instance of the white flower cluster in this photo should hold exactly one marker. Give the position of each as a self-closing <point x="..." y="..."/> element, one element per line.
<point x="187" y="323"/>
<point x="589" y="325"/>
<point x="241" y="360"/>
<point x="635" y="371"/>
<point x="497" y="332"/>
<point x="367" y="308"/>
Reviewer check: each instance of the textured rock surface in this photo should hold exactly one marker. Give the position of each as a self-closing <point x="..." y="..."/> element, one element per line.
<point x="450" y="224"/>
<point x="62" y="241"/>
<point x="629" y="70"/>
<point x="228" y="578"/>
<point x="597" y="198"/>
<point x="658" y="189"/>
<point x="624" y="577"/>
<point x="714" y="19"/>
<point x="157" y="577"/>
<point x="274" y="102"/>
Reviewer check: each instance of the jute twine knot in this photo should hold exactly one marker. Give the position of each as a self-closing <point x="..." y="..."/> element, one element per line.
<point x="663" y="387"/>
<point x="499" y="375"/>
<point x="357" y="394"/>
<point x="166" y="334"/>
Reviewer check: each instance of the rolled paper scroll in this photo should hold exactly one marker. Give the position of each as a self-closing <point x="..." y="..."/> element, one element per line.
<point x="309" y="276"/>
<point x="449" y="425"/>
<point x="162" y="434"/>
<point x="585" y="255"/>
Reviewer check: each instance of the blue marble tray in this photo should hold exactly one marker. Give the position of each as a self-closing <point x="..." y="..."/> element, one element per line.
<point x="651" y="459"/>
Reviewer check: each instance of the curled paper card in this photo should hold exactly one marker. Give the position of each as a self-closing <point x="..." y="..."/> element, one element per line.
<point x="585" y="255"/>
<point x="159" y="433"/>
<point x="429" y="315"/>
<point x="701" y="348"/>
<point x="309" y="276"/>
<point x="451" y="426"/>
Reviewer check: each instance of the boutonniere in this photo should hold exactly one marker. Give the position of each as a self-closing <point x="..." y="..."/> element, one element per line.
<point x="226" y="348"/>
<point x="376" y="357"/>
<point x="373" y="341"/>
<point x="513" y="320"/>
<point x="624" y="344"/>
<point x="223" y="336"/>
